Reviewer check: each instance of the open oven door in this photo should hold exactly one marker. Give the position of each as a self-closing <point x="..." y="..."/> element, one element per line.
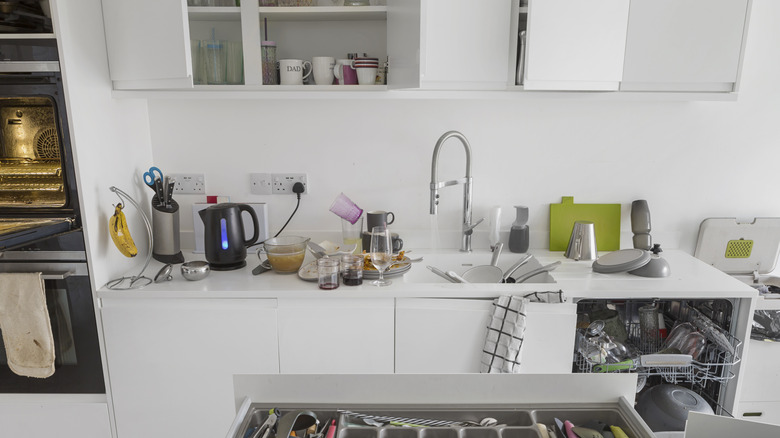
<point x="17" y="232"/>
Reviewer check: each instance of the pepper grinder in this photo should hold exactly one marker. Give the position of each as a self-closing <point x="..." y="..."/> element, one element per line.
<point x="518" y="234"/>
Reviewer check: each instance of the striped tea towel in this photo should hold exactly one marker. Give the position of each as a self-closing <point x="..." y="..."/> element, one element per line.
<point x="504" y="339"/>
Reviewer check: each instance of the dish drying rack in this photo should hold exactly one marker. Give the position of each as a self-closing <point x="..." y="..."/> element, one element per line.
<point x="713" y="364"/>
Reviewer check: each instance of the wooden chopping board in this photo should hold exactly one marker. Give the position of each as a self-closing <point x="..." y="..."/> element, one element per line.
<point x="606" y="218"/>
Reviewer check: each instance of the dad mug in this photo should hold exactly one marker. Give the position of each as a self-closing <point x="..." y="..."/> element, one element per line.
<point x="378" y="218"/>
<point x="291" y="71"/>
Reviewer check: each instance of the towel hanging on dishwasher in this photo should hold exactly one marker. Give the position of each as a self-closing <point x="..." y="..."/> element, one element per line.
<point x="24" y="321"/>
<point x="503" y="348"/>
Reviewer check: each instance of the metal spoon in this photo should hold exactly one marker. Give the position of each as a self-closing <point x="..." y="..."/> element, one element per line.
<point x="262" y="267"/>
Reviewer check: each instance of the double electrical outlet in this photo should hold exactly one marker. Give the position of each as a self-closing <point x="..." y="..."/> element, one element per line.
<point x="277" y="183"/>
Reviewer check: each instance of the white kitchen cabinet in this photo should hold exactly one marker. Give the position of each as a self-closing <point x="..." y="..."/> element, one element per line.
<point x="448" y="335"/>
<point x="45" y="416"/>
<point x="171" y="361"/>
<point x="760" y="399"/>
<point x="149" y="42"/>
<point x="574" y="45"/>
<point x="448" y="44"/>
<point x="692" y="45"/>
<point x="336" y="335"/>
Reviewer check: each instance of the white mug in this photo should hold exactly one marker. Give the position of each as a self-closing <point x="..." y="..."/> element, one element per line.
<point x="322" y="68"/>
<point x="291" y="71"/>
<point x="366" y="75"/>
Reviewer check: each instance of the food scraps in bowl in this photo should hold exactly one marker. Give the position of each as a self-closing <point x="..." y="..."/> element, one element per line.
<point x="332" y="249"/>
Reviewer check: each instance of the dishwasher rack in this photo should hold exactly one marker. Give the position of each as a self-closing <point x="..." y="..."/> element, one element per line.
<point x="713" y="365"/>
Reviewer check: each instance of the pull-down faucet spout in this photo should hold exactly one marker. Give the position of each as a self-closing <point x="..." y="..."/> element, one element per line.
<point x="467" y="227"/>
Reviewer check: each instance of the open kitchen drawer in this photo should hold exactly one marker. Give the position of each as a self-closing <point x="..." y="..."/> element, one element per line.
<point x="517" y="401"/>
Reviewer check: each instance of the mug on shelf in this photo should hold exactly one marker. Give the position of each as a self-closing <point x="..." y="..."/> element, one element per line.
<point x="322" y="69"/>
<point x="291" y="71"/>
<point x="344" y="72"/>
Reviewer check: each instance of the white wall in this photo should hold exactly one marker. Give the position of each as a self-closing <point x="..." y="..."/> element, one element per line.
<point x="100" y="126"/>
<point x="690" y="160"/>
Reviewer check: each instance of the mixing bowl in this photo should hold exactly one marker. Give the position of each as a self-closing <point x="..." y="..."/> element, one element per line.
<point x="197" y="270"/>
<point x="285" y="253"/>
<point x="665" y="407"/>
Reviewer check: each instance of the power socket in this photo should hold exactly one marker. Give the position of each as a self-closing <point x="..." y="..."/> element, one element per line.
<point x="189" y="183"/>
<point x="260" y="184"/>
<point x="282" y="183"/>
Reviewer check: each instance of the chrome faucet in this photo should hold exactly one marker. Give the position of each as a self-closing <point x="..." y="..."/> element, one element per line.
<point x="468" y="227"/>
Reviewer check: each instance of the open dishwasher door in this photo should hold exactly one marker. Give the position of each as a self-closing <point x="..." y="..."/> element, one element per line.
<point x="439" y="405"/>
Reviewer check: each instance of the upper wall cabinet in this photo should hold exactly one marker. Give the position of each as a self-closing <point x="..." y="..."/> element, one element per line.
<point x="448" y="44"/>
<point x="692" y="45"/>
<point x="169" y="45"/>
<point x="572" y="44"/>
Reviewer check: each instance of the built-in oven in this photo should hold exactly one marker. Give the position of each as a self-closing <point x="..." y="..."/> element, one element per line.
<point x="40" y="224"/>
<point x="77" y="365"/>
<point x="38" y="195"/>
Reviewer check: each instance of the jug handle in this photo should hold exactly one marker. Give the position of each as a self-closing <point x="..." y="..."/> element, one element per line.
<point x="251" y="211"/>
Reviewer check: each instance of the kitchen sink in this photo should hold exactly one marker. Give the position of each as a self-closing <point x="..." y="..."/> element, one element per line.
<point x="461" y="262"/>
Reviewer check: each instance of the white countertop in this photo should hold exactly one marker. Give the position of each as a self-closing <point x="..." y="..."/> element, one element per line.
<point x="690" y="278"/>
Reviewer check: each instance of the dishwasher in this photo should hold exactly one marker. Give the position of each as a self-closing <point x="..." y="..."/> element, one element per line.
<point x="643" y="336"/>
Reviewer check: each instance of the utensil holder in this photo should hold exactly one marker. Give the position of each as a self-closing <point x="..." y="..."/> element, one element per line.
<point x="165" y="228"/>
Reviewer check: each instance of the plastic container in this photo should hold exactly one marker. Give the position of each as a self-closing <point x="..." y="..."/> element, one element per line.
<point x="518" y="234"/>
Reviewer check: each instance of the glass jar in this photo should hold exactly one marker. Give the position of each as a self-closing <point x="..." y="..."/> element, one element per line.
<point x="328" y="273"/>
<point x="352" y="269"/>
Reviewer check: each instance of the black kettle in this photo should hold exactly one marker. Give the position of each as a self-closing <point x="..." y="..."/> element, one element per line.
<point x="224" y="235"/>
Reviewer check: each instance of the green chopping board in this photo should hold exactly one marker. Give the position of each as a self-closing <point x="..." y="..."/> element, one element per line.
<point x="606" y="218"/>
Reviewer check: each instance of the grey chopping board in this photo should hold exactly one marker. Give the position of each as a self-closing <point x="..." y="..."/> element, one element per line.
<point x="739" y="247"/>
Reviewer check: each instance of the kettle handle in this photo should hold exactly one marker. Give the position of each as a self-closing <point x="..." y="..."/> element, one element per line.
<point x="251" y="211"/>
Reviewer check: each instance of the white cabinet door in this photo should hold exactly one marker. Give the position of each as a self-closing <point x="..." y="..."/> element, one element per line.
<point x="335" y="335"/>
<point x="448" y="44"/>
<point x="575" y="45"/>
<point x="171" y="361"/>
<point x="148" y="43"/>
<point x="691" y="45"/>
<point x="447" y="336"/>
<point x="45" y="419"/>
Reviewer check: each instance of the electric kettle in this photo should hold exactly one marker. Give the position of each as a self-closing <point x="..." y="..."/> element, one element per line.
<point x="224" y="235"/>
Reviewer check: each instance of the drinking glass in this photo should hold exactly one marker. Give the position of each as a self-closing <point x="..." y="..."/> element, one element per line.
<point x="381" y="253"/>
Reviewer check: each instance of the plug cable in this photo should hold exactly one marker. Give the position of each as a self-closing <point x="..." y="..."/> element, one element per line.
<point x="297" y="189"/>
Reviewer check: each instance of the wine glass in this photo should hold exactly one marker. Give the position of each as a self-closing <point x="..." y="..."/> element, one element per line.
<point x="381" y="253"/>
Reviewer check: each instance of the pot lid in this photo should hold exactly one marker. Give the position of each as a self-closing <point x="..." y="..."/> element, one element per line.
<point x="621" y="261"/>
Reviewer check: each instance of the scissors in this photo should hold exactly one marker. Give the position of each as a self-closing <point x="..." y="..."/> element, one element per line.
<point x="154" y="178"/>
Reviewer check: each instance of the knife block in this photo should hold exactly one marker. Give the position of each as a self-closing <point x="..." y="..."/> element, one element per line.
<point x="165" y="229"/>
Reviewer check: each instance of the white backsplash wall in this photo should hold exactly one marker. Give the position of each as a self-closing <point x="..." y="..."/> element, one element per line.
<point x="689" y="160"/>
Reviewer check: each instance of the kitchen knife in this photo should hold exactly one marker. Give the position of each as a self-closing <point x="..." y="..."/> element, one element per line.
<point x="169" y="189"/>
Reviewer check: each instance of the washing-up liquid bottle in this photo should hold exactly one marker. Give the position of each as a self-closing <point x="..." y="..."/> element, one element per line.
<point x="518" y="234"/>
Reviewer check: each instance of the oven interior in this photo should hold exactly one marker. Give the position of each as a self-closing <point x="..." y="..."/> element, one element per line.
<point x="31" y="173"/>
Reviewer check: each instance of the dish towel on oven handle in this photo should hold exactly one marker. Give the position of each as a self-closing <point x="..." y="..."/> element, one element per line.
<point x="503" y="348"/>
<point x="24" y="321"/>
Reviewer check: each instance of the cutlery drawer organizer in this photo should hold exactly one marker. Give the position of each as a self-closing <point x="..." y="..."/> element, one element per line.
<point x="518" y="422"/>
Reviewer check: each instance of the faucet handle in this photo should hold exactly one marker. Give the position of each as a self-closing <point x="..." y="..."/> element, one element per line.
<point x="469" y="228"/>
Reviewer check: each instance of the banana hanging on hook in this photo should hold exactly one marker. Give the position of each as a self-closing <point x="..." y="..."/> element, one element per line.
<point x="120" y="234"/>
